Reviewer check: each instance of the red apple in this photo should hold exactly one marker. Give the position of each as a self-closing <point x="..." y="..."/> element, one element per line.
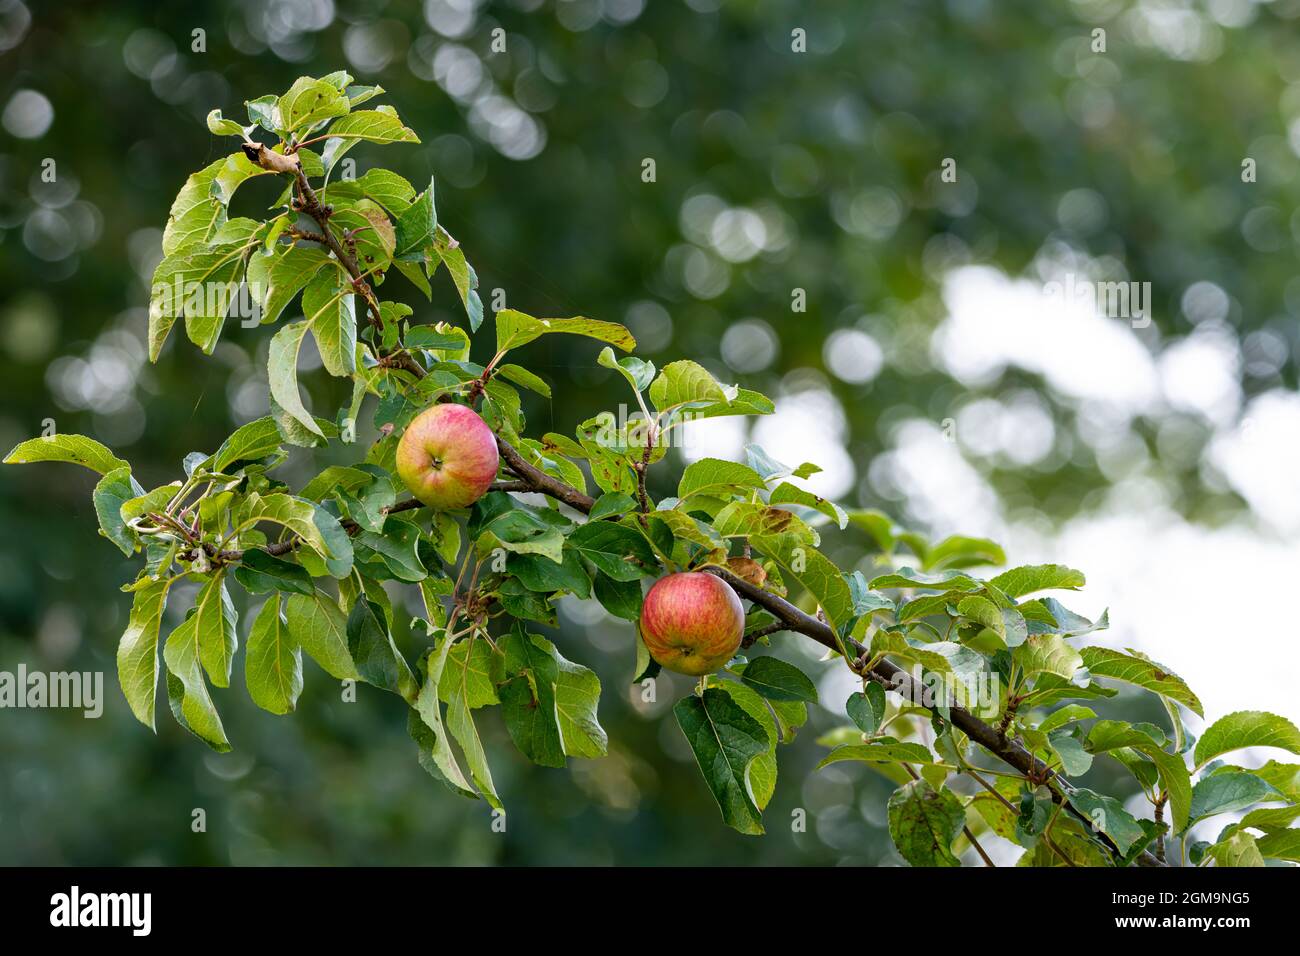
<point x="692" y="622"/>
<point x="447" y="456"/>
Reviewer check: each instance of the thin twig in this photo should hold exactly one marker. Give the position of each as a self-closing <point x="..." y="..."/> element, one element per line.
<point x="752" y="636"/>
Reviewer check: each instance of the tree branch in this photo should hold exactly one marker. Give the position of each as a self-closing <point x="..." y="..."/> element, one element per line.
<point x="790" y="618"/>
<point x="310" y="205"/>
<point x="796" y="620"/>
<point x="539" y="481"/>
<point x="534" y="479"/>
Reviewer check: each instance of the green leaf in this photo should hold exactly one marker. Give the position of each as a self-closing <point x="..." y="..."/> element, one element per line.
<point x="265" y="112"/>
<point x="609" y="470"/>
<point x="319" y="529"/>
<point x="685" y="383"/>
<point x="522" y="532"/>
<point x="928" y="605"/>
<point x="743" y="401"/>
<point x="577" y="693"/>
<point x="155" y="500"/>
<point x="371" y="230"/>
<point x="646" y="667"/>
<point x="76" y="449"/>
<point x="361" y="94"/>
<point x="1037" y="577"/>
<point x="1006" y="622"/>
<point x="379" y="125"/>
<point x="775" y="679"/>
<point x="308" y="102"/>
<point x="1048" y="653"/>
<point x="218" y="126"/>
<point x="525" y="605"/>
<point x="336" y="478"/>
<point x="1067" y="714"/>
<point x="318" y="626"/>
<point x="539" y="573"/>
<point x="762" y="771"/>
<point x="214" y="620"/>
<point x="528" y="697"/>
<point x="620" y="598"/>
<point x="446" y="536"/>
<point x="438" y="748"/>
<point x="923" y="823"/>
<point x="236" y="171"/>
<point x="274" y="279"/>
<point x="1226" y="792"/>
<point x="378" y="661"/>
<point x="186" y="690"/>
<point x="462" y="275"/>
<point x="615" y="549"/>
<point x="866" y="708"/>
<point x="416" y="224"/>
<point x="515" y="328"/>
<point x="388" y="189"/>
<point x="611" y="504"/>
<point x="786" y="493"/>
<point x="715" y="477"/>
<point x="765" y="464"/>
<point x="790" y="716"/>
<point x="460" y="721"/>
<point x="746" y="519"/>
<point x="295" y="433"/>
<point x="1280" y="845"/>
<point x="195" y="216"/>
<point x="257" y="439"/>
<point x="441" y="337"/>
<point x="137" y="652"/>
<point x="1108" y="816"/>
<point x="959" y="551"/>
<point x="199" y="283"/>
<point x="880" y="752"/>
<point x="1139" y="670"/>
<point x="893" y="643"/>
<point x="814" y="571"/>
<point x="1284" y="776"/>
<point x="367" y="504"/>
<point x="638" y="372"/>
<point x="943" y="580"/>
<point x="1240" y="849"/>
<point x="282" y="369"/>
<point x="879" y="527"/>
<point x="260" y="572"/>
<point x="113" y="490"/>
<point x="724" y="739"/>
<point x="1107" y="735"/>
<point x="524" y="379"/>
<point x="273" y="661"/>
<point x="1069" y="750"/>
<point x="330" y="309"/>
<point x="1269" y="818"/>
<point x="1246" y="728"/>
<point x="471" y="664"/>
<point x="415" y="273"/>
<point x="397" y="548"/>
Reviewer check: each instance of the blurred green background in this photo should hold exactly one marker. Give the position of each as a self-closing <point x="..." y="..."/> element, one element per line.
<point x="776" y="171"/>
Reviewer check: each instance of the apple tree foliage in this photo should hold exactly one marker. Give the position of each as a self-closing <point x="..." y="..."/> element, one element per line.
<point x="324" y="557"/>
